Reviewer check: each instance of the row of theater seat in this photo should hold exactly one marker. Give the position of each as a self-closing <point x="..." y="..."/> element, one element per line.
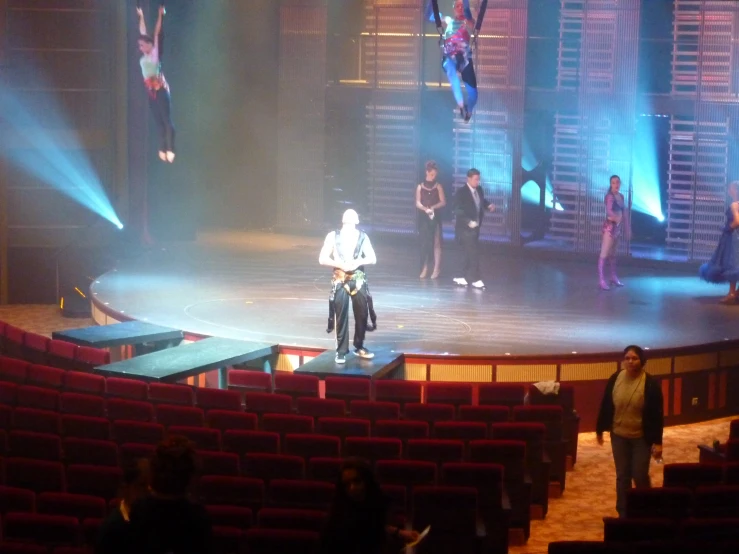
<point x="38" y="349"/>
<point x="679" y="503"/>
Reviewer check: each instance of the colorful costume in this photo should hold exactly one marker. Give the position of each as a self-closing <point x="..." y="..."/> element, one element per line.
<point x="159" y="98"/>
<point x="611" y="233"/>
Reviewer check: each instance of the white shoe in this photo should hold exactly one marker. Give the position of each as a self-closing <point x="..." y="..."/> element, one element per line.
<point x="461" y="281"/>
<point x="170" y="156"/>
<point x="478" y="285"/>
<point x="163" y="155"/>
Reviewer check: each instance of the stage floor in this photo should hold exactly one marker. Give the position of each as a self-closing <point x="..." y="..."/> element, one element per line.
<point x="269" y="287"/>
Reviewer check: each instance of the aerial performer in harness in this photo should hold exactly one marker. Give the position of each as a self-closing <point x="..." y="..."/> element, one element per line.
<point x="457" y="35"/>
<point x="156" y="85"/>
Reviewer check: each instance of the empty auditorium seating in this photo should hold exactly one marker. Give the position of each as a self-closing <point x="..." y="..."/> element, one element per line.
<point x="61" y="354"/>
<point x="13" y="370"/>
<point x="93" y="480"/>
<point x="429" y="413"/>
<point x="126" y="388"/>
<point x="201" y="437"/>
<point x="171" y="394"/>
<point x="251" y="380"/>
<point x="637" y="530"/>
<point x="452" y="514"/>
<point x="85" y="427"/>
<point x="405" y="472"/>
<point x="132" y="451"/>
<point x="312" y="446"/>
<point x="692" y="475"/>
<point x="718" y="501"/>
<point x="401" y="392"/>
<point x="229" y="420"/>
<point x="269" y="541"/>
<point x="374" y="411"/>
<point x="240" y="442"/>
<point x="79" y="506"/>
<point x="348" y="388"/>
<point x="288" y="493"/>
<point x="296" y="385"/>
<point x="35" y="475"/>
<point x="319" y="407"/>
<point x="37" y="397"/>
<point x="41" y="421"/>
<point x="324" y="469"/>
<point x="300" y="519"/>
<point x="287" y="423"/>
<point x="90" y="452"/>
<point x="87" y="358"/>
<point x="343" y="427"/>
<point x="274" y="466"/>
<point x="437" y="451"/>
<point x="216" y="399"/>
<point x="231" y="516"/>
<point x="461" y="430"/>
<point x="82" y="404"/>
<point x="37" y="446"/>
<point x="138" y="432"/>
<point x="168" y="415"/>
<point x="13" y="499"/>
<point x="502" y="394"/>
<point x="266" y="403"/>
<point x="46" y="376"/>
<point x="77" y="381"/>
<point x="664" y="502"/>
<point x="219" y="463"/>
<point x="374" y="448"/>
<point x="130" y="410"/>
<point x="52" y="530"/>
<point x="35" y="347"/>
<point x="231" y="491"/>
<point x="456" y="394"/>
<point x="403" y="429"/>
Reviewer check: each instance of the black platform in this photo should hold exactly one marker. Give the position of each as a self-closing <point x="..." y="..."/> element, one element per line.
<point x="188" y="360"/>
<point x="128" y="333"/>
<point x="378" y="367"/>
<point x="269" y="288"/>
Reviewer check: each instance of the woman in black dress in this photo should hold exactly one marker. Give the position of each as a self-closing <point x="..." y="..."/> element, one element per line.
<point x="358" y="520"/>
<point x="429" y="200"/>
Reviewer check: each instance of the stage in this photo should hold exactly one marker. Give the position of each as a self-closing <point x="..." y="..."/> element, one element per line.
<point x="266" y="287"/>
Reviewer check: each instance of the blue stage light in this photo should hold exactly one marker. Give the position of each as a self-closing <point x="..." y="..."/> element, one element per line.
<point x="646" y="186"/>
<point x="530" y="193"/>
<point x="42" y="147"/>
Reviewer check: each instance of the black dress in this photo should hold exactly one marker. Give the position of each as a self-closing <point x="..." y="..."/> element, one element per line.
<point x="429" y="227"/>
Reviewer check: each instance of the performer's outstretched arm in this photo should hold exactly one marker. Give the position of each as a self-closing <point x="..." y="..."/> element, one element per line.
<point x="142" y="21"/>
<point x="158" y="27"/>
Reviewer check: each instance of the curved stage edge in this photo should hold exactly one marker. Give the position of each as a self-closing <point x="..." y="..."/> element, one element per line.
<point x="699" y="382"/>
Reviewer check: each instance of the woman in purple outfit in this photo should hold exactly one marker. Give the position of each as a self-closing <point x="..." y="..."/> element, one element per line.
<point x="613" y="227"/>
<point x="722" y="268"/>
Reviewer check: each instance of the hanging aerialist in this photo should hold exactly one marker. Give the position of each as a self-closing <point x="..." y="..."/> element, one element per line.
<point x="456" y="45"/>
<point x="156" y="85"/>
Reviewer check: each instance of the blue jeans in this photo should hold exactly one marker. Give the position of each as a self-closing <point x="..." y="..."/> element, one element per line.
<point x="470" y="82"/>
<point x="631" y="457"/>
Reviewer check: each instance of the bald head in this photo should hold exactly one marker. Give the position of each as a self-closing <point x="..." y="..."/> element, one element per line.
<point x="350" y="217"/>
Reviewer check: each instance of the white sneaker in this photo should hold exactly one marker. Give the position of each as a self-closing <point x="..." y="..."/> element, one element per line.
<point x="461" y="281"/>
<point x="478" y="285"/>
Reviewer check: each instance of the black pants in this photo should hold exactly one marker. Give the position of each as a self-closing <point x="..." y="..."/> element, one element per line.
<point x="160" y="103"/>
<point x="361" y="312"/>
<point x="470" y="239"/>
<point x="428" y="229"/>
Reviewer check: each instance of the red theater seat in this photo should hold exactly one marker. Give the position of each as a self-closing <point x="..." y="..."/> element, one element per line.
<point x="693" y="475"/>
<point x="269" y="541"/>
<point x="37" y="397"/>
<point x="327" y="470"/>
<point x="35" y="347"/>
<point x="13" y="370"/>
<point x="312" y="446"/>
<point x="403" y="430"/>
<point x="452" y="514"/>
<point x="510" y="454"/>
<point x="718" y="501"/>
<point x="231" y="516"/>
<point x="287" y="423"/>
<point x="731" y="473"/>
<point x="188" y="416"/>
<point x="85" y="427"/>
<point x="126" y="388"/>
<point x="61" y="354"/>
<point x="405" y="472"/>
<point x="232" y="491"/>
<point x="251" y="380"/>
<point x="435" y="450"/>
<point x="461" y="430"/>
<point x="347" y="388"/>
<point x="129" y="410"/>
<point x="88" y="358"/>
<point x="94" y="480"/>
<point x="38" y="446"/>
<point x="44" y="529"/>
<point x="79" y="506"/>
<point x="502" y="394"/>
<point x="202" y="437"/>
<point x="429" y="413"/>
<point x="77" y="381"/>
<point x="637" y="530"/>
<point x="374" y="411"/>
<point x="243" y="442"/>
<point x="180" y="395"/>
<point x="268" y="403"/>
<point x="14" y="339"/>
<point x="41" y="421"/>
<point x="287" y="493"/>
<point x="226" y="420"/>
<point x="82" y="404"/>
<point x="296" y="385"/>
<point x="401" y="392"/>
<point x="90" y="452"/>
<point x="14" y="499"/>
<point x="667" y="502"/>
<point x="274" y="466"/>
<point x="7" y="396"/>
<point x="373" y="448"/>
<point x="131" y="451"/>
<point x="456" y="394"/>
<point x="35" y="475"/>
<point x="713" y="529"/>
<point x="219" y="463"/>
<point x="291" y="519"/>
<point x="137" y="432"/>
<point x="45" y="376"/>
<point x="319" y="407"/>
<point x="216" y="399"/>
<point x="343" y="427"/>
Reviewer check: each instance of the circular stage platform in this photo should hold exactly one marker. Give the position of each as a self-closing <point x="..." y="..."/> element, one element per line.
<point x="269" y="287"/>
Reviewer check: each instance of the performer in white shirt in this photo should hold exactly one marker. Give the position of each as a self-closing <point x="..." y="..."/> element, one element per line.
<point x="347" y="251"/>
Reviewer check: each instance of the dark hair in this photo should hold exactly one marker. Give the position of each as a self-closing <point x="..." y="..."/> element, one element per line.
<point x="368" y="518"/>
<point x="147" y="39"/>
<point x="136" y="470"/>
<point x="173" y="466"/>
<point x="431" y="166"/>
<point x="639" y="351"/>
<point x="612" y="177"/>
<point x="472" y="172"/>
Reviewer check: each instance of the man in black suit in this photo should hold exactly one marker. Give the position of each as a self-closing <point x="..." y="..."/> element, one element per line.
<point x="469" y="208"/>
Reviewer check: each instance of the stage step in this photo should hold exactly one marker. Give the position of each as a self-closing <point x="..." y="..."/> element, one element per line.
<point x="322" y="366"/>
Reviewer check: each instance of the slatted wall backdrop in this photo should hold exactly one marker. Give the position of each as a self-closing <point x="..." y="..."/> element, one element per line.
<point x="703" y="150"/>
<point x="301" y="120"/>
<point x="492" y="141"/>
<point x="597" y="61"/>
<point x="391" y="66"/>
